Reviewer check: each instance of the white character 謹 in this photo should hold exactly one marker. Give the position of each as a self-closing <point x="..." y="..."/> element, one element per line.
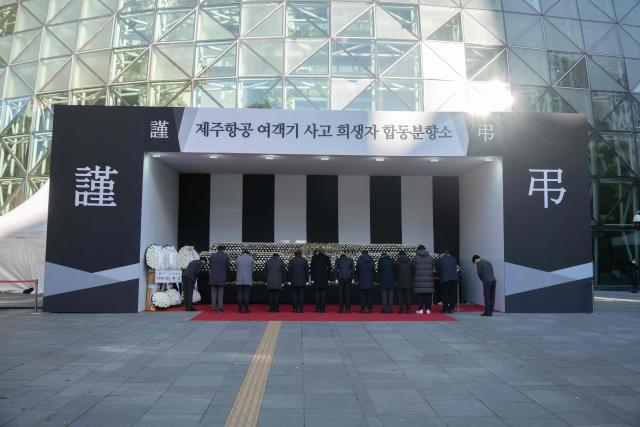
<point x="94" y="187"/>
<point x="159" y="129"/>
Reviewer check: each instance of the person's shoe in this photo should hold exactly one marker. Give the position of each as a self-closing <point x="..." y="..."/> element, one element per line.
<point x="427" y="311"/>
<point x="348" y="309"/>
<point x="221" y="310"/>
<point x="240" y="310"/>
<point x="634" y="292"/>
<point x="362" y="310"/>
<point x="370" y="310"/>
<point x="484" y="314"/>
<point x="419" y="311"/>
<point x="215" y="310"/>
<point x="340" y="310"/>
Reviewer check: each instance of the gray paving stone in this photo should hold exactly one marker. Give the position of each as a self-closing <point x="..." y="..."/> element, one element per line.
<point x="519" y="370"/>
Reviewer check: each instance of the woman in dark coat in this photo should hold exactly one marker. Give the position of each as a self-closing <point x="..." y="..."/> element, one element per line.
<point x="320" y="272"/>
<point x="404" y="277"/>
<point x="276" y="274"/>
<point x="364" y="276"/>
<point x="387" y="277"/>
<point x="299" y="278"/>
<point x="423" y="279"/>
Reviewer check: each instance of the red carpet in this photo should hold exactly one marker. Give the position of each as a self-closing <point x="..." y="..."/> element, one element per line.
<point x="260" y="312"/>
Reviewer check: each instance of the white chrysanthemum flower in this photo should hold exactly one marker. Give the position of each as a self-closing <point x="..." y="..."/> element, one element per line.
<point x="170" y="258"/>
<point x="174" y="296"/>
<point x="152" y="256"/>
<point x="186" y="254"/>
<point x="161" y="300"/>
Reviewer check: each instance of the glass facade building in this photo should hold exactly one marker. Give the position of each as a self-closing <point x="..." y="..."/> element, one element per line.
<point x="421" y="55"/>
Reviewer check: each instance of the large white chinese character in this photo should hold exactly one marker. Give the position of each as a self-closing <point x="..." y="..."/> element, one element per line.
<point x="548" y="176"/>
<point x="159" y="129"/>
<point x="486" y="132"/>
<point x="94" y="187"/>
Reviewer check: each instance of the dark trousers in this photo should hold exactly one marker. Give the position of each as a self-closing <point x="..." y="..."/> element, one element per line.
<point x="424" y="301"/>
<point x="187" y="285"/>
<point x="217" y="297"/>
<point x="243" y="292"/>
<point x="404" y="298"/>
<point x="387" y="299"/>
<point x="297" y="293"/>
<point x="366" y="298"/>
<point x="489" y="296"/>
<point x="449" y="294"/>
<point x="321" y="298"/>
<point x="273" y="296"/>
<point x="344" y="293"/>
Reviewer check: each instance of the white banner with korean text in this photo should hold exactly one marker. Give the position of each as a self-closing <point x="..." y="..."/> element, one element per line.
<point x="356" y="133"/>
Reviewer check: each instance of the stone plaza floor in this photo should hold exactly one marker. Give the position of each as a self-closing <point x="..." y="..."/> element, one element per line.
<point x="160" y="369"/>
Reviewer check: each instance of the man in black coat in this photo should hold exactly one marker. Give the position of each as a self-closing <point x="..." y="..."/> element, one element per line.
<point x="320" y="272"/>
<point x="189" y="277"/>
<point x="387" y="277"/>
<point x="404" y="277"/>
<point x="488" y="279"/>
<point x="219" y="267"/>
<point x="447" y="271"/>
<point x="299" y="278"/>
<point x="344" y="279"/>
<point x="365" y="269"/>
<point x="276" y="274"/>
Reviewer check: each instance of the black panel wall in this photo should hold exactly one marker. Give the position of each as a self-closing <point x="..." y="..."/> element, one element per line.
<point x="386" y="209"/>
<point x="193" y="210"/>
<point x="258" y="193"/>
<point x="446" y="214"/>
<point x="322" y="208"/>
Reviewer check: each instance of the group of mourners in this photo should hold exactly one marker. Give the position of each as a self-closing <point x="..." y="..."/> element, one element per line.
<point x="411" y="277"/>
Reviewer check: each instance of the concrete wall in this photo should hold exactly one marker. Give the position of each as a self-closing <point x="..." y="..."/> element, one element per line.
<point x="482" y="228"/>
<point x="159" y="213"/>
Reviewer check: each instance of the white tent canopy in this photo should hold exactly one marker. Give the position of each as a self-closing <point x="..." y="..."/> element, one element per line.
<point x="23" y="236"/>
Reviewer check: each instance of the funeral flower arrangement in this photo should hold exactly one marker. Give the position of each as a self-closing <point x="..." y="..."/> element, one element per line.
<point x="153" y="256"/>
<point x="161" y="300"/>
<point x="174" y="296"/>
<point x="186" y="254"/>
<point x="160" y="257"/>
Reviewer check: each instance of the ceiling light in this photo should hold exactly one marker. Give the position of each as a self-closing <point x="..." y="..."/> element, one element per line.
<point x="269" y="157"/>
<point x="488" y="159"/>
<point x="156" y="155"/>
<point x="434" y="160"/>
<point x="379" y="159"/>
<point x="213" y="156"/>
<point x="324" y="158"/>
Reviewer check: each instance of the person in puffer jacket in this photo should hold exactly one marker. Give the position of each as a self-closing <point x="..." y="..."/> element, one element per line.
<point x="423" y="279"/>
<point x="364" y="276"/>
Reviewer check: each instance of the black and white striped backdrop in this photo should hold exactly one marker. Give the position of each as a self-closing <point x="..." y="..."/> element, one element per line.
<point x="318" y="208"/>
